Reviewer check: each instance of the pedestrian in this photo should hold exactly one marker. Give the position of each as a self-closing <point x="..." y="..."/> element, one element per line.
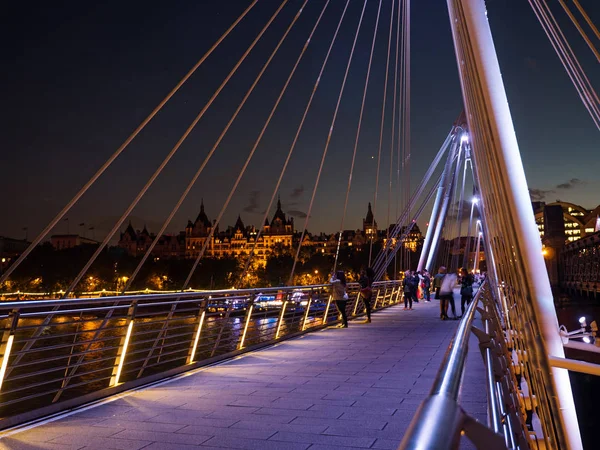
<point x="437" y="281"/>
<point x="414" y="286"/>
<point x="447" y="296"/>
<point x="339" y="295"/>
<point x="407" y="289"/>
<point x="466" y="290"/>
<point x="426" y="286"/>
<point x="366" y="289"/>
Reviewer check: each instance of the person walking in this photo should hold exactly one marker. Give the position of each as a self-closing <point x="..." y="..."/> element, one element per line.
<point x="466" y="290"/>
<point x="447" y="296"/>
<point x="426" y="285"/>
<point x="366" y="292"/>
<point x="414" y="286"/>
<point x="407" y="289"/>
<point x="437" y="284"/>
<point x="339" y="295"/>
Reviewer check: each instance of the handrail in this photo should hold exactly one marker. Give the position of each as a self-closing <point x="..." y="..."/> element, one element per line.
<point x="437" y="424"/>
<point x="166" y="296"/>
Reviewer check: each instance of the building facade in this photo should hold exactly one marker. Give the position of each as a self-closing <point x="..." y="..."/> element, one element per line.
<point x="276" y="236"/>
<point x="578" y="221"/>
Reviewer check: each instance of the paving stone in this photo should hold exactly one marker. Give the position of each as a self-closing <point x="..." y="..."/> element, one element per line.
<point x="98" y="442"/>
<point x="361" y="442"/>
<point x="172" y="438"/>
<point x="252" y="444"/>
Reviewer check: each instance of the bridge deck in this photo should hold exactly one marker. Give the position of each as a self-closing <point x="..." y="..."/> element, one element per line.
<point x="337" y="388"/>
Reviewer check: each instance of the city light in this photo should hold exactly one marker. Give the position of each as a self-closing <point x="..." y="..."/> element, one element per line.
<point x="475" y="200"/>
<point x="464" y="138"/>
<point x="582" y="321"/>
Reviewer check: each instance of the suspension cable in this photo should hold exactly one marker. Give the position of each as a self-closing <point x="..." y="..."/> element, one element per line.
<point x="382" y="267"/>
<point x="123" y="146"/>
<point x="414" y="197"/>
<point x="587" y="18"/>
<point x="568" y="59"/>
<point x="214" y="147"/>
<point x="293" y="145"/>
<point x="581" y="32"/>
<point x="387" y="66"/>
<point x="170" y="155"/>
<point x="236" y="184"/>
<point x="390" y="178"/>
<point x="327" y="143"/>
<point x="360" y="117"/>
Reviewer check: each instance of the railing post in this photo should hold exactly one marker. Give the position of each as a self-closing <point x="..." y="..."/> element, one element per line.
<point x="398" y="292"/>
<point x="281" y="316"/>
<point x="246" y="323"/>
<point x="6" y="342"/>
<point x="376" y="298"/>
<point x="327" y="310"/>
<point x="197" y="330"/>
<point x="307" y="311"/>
<point x="122" y="352"/>
<point x="358" y="297"/>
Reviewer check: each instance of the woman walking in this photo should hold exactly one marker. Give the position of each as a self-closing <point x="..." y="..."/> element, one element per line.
<point x="366" y="291"/>
<point x="338" y="294"/>
<point x="466" y="290"/>
<point x="407" y="288"/>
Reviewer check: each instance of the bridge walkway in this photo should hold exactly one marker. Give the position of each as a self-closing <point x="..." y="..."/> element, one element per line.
<point x="337" y="388"/>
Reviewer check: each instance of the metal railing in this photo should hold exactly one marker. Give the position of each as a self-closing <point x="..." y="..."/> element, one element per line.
<point x="57" y="354"/>
<point x="440" y="422"/>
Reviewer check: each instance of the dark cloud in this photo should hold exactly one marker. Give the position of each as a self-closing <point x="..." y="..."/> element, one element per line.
<point x="297" y="192"/>
<point x="298" y="214"/>
<point x="573" y="182"/>
<point x="253" y="201"/>
<point x="538" y="195"/>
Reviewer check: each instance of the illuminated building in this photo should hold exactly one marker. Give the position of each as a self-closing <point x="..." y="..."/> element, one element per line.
<point x="578" y="221"/>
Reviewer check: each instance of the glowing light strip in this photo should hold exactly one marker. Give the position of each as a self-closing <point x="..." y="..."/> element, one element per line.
<point x="246" y="327"/>
<point x="5" y="358"/>
<point x="280" y="320"/>
<point x="358" y="296"/>
<point x="306" y="314"/>
<point x="122" y="359"/>
<point x="195" y="346"/>
<point x="327" y="310"/>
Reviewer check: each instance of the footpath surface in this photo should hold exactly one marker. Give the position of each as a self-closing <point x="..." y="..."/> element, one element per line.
<point x="338" y="388"/>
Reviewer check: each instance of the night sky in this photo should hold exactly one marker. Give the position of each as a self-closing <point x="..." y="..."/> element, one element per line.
<point x="78" y="77"/>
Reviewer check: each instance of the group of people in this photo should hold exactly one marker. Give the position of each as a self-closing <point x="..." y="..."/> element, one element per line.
<point x="340" y="297"/>
<point x="444" y="284"/>
<point x="415" y="285"/>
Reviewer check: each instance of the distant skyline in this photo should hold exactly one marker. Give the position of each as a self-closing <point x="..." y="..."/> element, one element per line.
<point x="82" y="77"/>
